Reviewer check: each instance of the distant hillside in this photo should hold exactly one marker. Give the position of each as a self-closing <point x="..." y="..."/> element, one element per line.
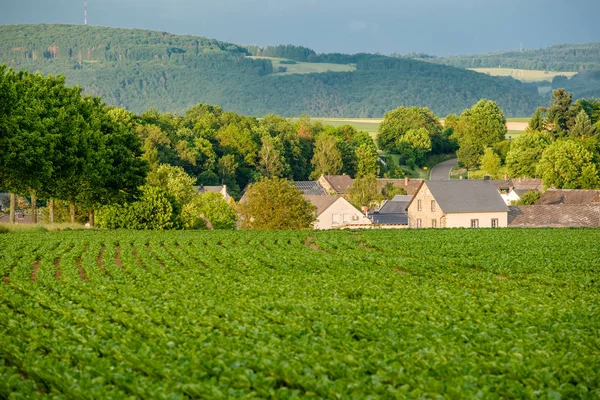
<point x="563" y="57"/>
<point x="140" y="69"/>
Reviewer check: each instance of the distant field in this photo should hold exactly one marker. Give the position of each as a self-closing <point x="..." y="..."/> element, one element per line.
<point x="523" y="75"/>
<point x="307" y="68"/>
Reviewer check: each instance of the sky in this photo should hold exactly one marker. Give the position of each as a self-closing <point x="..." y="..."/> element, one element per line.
<point x="437" y="27"/>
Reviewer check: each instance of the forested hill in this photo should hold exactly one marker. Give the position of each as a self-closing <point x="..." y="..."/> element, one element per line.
<point x="139" y="69"/>
<point x="563" y="57"/>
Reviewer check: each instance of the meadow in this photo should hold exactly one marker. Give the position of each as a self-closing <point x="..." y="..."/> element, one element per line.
<point x="523" y="75"/>
<point x="299" y="67"/>
<point x="509" y="313"/>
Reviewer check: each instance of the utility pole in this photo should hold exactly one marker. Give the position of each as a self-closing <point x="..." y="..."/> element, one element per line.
<point x="85" y="12"/>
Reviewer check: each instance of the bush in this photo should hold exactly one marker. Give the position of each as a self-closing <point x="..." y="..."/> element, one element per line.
<point x="528" y="198"/>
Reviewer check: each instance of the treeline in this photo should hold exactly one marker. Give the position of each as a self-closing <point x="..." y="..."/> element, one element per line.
<point x="564" y="57"/>
<point x="138" y="70"/>
<point x="582" y="85"/>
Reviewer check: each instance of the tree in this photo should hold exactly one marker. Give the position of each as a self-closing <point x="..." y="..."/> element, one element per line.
<point x="490" y="162"/>
<point x="364" y="192"/>
<point x="211" y="207"/>
<point x="398" y="122"/>
<point x="367" y="159"/>
<point x="389" y="191"/>
<point x="561" y="112"/>
<point x="536" y="123"/>
<point x="582" y="128"/>
<point x="327" y="159"/>
<point x="469" y="155"/>
<point x="481" y="126"/>
<point x="174" y="181"/>
<point x="270" y="160"/>
<point x="567" y="164"/>
<point x="528" y="198"/>
<point x="419" y="144"/>
<point x="273" y="204"/>
<point x="525" y="153"/>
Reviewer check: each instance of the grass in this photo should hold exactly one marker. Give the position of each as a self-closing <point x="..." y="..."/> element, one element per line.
<point x="523" y="75"/>
<point x="307" y="68"/>
<point x="26" y="228"/>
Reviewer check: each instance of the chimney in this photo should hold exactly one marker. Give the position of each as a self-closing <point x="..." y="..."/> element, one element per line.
<point x="406" y="179"/>
<point x="505" y="177"/>
<point x="486" y="177"/>
<point x="365" y="209"/>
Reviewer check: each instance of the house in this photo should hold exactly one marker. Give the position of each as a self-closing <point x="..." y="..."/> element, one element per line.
<point x="313" y="188"/>
<point x="336" y="184"/>
<point x="512" y="189"/>
<point x="392" y="213"/>
<point x="214" y="189"/>
<point x="569" y="197"/>
<point x="457" y="203"/>
<point x="336" y="212"/>
<point x="555" y="216"/>
<point x="410" y="185"/>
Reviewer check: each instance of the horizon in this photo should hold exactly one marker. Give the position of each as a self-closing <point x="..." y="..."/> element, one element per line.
<point x="434" y="27"/>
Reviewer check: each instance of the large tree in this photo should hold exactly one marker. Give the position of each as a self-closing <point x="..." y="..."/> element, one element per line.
<point x="567" y="164"/>
<point x="364" y="192"/>
<point x="327" y="158"/>
<point x="525" y="153"/>
<point x="274" y="203"/>
<point x="398" y="122"/>
<point x="208" y="208"/>
<point x="561" y="113"/>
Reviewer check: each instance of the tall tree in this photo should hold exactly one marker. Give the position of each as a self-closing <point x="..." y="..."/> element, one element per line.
<point x="582" y="128"/>
<point x="490" y="162"/>
<point x="526" y="152"/>
<point x="398" y="122"/>
<point x="367" y="159"/>
<point x="561" y="112"/>
<point x="536" y="123"/>
<point x="327" y="159"/>
<point x="270" y="160"/>
<point x="364" y="192"/>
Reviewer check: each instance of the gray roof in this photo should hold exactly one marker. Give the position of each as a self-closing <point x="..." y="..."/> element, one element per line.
<point x="322" y="202"/>
<point x="395" y="207"/>
<point x="402" y="197"/>
<point x="569" y="196"/>
<point x="555" y="216"/>
<point x="463" y="196"/>
<point x="339" y="183"/>
<point x="310" y="187"/>
<point x="389" y="219"/>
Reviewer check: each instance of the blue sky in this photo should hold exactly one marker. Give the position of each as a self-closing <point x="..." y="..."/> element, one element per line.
<point x="440" y="27"/>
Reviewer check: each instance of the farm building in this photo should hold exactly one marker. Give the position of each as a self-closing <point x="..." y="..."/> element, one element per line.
<point x="555" y="216"/>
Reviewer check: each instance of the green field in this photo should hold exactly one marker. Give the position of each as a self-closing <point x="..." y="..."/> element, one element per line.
<point x="306" y="67"/>
<point x="508" y="313"/>
<point x="523" y="75"/>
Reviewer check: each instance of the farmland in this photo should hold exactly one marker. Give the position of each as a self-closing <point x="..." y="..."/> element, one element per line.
<point x="523" y="75"/>
<point x="453" y="313"/>
<point x="298" y="67"/>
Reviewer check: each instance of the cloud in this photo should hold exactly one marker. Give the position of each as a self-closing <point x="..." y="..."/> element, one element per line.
<point x="357" y="26"/>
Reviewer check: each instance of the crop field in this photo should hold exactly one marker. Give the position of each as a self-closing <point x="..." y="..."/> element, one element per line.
<point x="306" y="67"/>
<point x="523" y="75"/>
<point x="458" y="314"/>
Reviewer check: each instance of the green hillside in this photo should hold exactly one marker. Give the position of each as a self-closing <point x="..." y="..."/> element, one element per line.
<point x="140" y="69"/>
<point x="563" y="57"/>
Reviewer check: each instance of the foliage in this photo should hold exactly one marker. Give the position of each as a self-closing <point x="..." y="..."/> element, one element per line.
<point x="389" y="191"/>
<point x="211" y="206"/>
<point x="526" y="152"/>
<point x="567" y="164"/>
<point x="397" y="123"/>
<point x="274" y="204"/>
<point x="155" y="210"/>
<point x="367" y="160"/>
<point x="195" y="314"/>
<point x="364" y="192"/>
<point x="582" y="128"/>
<point x="139" y="70"/>
<point x="528" y="198"/>
<point x="561" y="113"/>
<point x="490" y="162"/>
<point x="174" y="181"/>
<point x="327" y="158"/>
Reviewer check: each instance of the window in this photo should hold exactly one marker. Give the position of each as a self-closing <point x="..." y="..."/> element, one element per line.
<point x="346" y="218"/>
<point x="418" y="222"/>
<point x="494" y="222"/>
<point x="432" y="205"/>
<point x="419" y="205"/>
<point x="474" y="223"/>
<point x="335" y="219"/>
<point x="434" y="223"/>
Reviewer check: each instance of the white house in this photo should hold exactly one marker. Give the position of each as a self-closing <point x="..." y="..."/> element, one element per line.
<point x="336" y="212"/>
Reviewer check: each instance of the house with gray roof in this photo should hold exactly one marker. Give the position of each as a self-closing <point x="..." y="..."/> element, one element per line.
<point x="457" y="204"/>
<point x="392" y="213"/>
<point x="334" y="212"/>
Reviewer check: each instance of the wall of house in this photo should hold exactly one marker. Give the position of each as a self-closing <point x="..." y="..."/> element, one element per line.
<point x="340" y="208"/>
<point x="326" y="185"/>
<point x="463" y="220"/>
<point x="425" y="214"/>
